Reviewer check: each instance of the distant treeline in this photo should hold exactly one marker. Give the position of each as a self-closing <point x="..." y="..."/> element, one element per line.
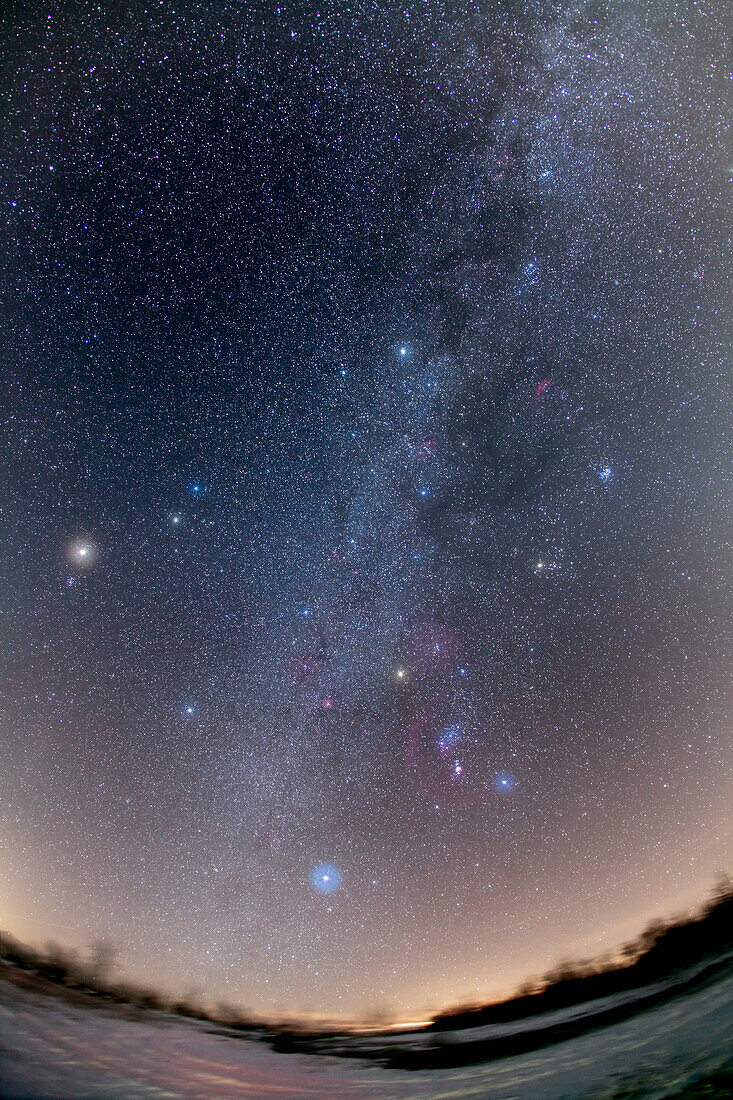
<point x="659" y="953"/>
<point x="655" y="956"/>
<point x="93" y="974"/>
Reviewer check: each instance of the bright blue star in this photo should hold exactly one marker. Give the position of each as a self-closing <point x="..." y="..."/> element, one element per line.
<point x="325" y="878"/>
<point x="195" y="488"/>
<point x="423" y="491"/>
<point x="188" y="710"/>
<point x="505" y="782"/>
<point x="305" y="612"/>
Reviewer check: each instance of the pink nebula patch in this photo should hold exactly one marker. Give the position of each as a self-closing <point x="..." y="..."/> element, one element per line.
<point x="542" y="387"/>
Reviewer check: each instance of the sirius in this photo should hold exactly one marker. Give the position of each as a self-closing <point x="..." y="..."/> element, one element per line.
<point x="325" y="878"/>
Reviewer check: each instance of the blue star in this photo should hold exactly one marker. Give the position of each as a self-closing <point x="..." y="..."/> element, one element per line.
<point x="605" y="473"/>
<point x="195" y="488"/>
<point x="505" y="782"/>
<point x="188" y="710"/>
<point x="325" y="878"/>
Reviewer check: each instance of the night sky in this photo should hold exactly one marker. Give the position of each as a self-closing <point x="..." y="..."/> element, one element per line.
<point x="365" y="594"/>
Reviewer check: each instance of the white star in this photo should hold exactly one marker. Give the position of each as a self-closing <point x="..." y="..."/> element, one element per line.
<point x="81" y="552"/>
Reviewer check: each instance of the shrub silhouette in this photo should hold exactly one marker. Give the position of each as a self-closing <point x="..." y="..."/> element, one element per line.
<point x="657" y="954"/>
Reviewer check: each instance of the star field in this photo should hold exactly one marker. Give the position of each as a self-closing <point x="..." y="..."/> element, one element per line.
<point x="366" y="596"/>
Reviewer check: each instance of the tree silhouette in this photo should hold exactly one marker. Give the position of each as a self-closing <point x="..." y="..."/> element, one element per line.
<point x="102" y="958"/>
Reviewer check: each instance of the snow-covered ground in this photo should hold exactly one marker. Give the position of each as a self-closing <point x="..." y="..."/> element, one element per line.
<point x="50" y="1049"/>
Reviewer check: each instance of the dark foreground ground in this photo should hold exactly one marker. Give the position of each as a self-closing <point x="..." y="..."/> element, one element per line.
<point x="676" y="1043"/>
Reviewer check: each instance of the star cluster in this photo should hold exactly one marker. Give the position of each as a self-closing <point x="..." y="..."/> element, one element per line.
<point x="366" y="603"/>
